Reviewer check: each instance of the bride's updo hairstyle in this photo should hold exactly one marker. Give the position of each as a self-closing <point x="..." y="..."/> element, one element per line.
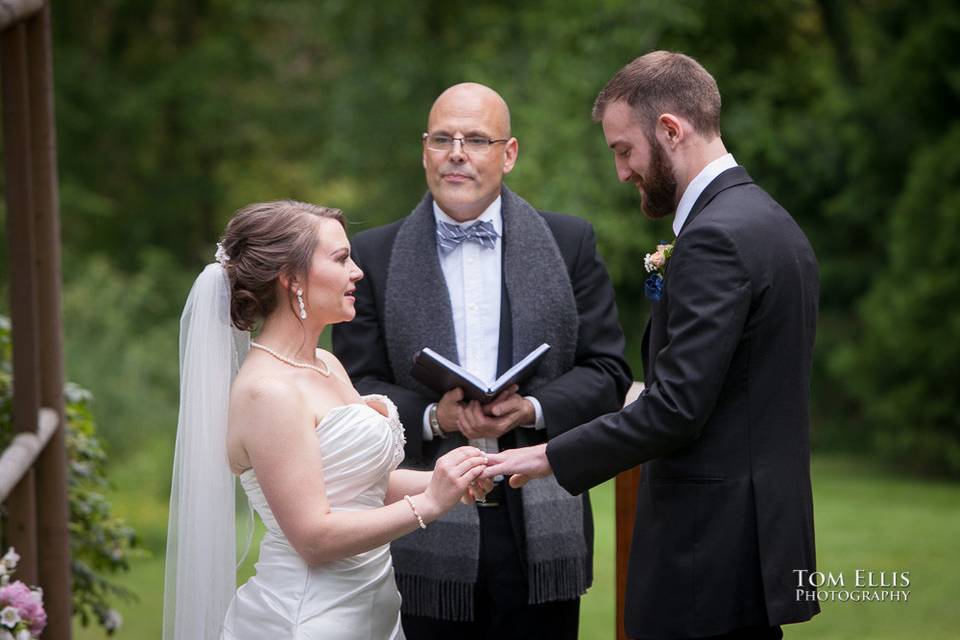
<point x="262" y="242"/>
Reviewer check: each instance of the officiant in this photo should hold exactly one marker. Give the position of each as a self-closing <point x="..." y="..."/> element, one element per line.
<point x="480" y="276"/>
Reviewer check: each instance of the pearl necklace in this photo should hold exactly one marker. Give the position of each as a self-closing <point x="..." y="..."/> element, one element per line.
<point x="325" y="371"/>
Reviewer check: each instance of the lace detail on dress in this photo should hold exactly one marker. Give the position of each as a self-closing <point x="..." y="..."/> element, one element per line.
<point x="393" y="419"/>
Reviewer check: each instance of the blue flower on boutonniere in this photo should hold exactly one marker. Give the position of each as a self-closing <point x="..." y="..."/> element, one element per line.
<point x="656" y="265"/>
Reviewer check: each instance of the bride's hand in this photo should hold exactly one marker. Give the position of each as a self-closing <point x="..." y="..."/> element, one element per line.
<point x="477" y="490"/>
<point x="452" y="476"/>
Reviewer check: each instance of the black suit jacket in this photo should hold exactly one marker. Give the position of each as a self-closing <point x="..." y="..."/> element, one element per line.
<point x="724" y="512"/>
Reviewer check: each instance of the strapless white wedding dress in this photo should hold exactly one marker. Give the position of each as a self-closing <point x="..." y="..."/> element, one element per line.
<point x="355" y="597"/>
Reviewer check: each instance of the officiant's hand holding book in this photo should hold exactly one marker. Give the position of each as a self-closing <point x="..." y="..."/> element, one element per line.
<point x="441" y="374"/>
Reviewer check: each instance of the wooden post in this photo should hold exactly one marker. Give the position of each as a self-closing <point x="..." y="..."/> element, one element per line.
<point x="13" y="11"/>
<point x="22" y="270"/>
<point x="53" y="513"/>
<point x="627" y="485"/>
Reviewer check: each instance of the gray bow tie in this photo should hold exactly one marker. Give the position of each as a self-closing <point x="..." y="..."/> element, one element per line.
<point x="451" y="236"/>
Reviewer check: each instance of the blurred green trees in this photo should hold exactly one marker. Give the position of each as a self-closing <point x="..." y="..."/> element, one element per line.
<point x="174" y="113"/>
<point x="904" y="368"/>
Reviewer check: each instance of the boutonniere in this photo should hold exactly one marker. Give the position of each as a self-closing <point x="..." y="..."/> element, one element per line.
<point x="656" y="265"/>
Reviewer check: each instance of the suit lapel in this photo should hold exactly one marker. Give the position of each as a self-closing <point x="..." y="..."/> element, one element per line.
<point x="645" y="351"/>
<point x="655" y="335"/>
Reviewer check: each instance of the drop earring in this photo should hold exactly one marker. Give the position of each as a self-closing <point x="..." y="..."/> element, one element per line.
<point x="303" y="309"/>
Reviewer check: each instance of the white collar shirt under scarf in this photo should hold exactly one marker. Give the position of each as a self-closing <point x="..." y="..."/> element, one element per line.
<point x="474" y="279"/>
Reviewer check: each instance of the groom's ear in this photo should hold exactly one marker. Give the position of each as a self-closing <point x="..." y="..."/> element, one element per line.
<point x="672" y="129"/>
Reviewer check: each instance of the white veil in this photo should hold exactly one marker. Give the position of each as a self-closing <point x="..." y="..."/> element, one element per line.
<point x="200" y="573"/>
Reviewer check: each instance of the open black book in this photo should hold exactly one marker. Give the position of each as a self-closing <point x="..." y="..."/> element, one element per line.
<point x="440" y="374"/>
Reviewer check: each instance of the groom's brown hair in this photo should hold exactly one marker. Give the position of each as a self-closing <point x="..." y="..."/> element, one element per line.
<point x="665" y="82"/>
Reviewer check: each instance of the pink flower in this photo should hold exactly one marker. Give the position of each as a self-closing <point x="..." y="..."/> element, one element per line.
<point x="15" y="594"/>
<point x="37" y="617"/>
<point x="28" y="602"/>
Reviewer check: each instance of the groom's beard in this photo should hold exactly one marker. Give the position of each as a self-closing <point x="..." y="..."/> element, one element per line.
<point x="658" y="190"/>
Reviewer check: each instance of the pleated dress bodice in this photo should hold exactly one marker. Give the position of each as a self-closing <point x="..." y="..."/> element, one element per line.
<point x="352" y="597"/>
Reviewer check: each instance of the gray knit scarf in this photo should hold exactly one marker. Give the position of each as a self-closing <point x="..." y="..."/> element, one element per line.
<point x="437" y="567"/>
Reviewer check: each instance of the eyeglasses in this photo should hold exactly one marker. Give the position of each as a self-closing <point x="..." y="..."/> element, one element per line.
<point x="470" y="144"/>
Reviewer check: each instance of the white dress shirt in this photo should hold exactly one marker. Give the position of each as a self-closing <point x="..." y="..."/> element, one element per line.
<point x="696" y="187"/>
<point x="473" y="275"/>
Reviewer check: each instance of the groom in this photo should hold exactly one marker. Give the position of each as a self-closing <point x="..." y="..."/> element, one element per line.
<point x="479" y="275"/>
<point x="724" y="513"/>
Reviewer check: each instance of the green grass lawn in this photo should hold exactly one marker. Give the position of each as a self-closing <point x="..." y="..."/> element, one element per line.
<point x="867" y="518"/>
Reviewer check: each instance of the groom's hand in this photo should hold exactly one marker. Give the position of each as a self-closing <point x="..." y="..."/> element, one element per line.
<point x="522" y="465"/>
<point x="477" y="491"/>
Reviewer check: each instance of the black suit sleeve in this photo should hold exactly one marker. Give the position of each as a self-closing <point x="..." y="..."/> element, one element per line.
<point x="708" y="299"/>
<point x="360" y="345"/>
<point x="600" y="377"/>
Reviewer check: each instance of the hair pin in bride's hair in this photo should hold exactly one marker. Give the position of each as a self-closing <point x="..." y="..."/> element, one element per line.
<point x="221" y="255"/>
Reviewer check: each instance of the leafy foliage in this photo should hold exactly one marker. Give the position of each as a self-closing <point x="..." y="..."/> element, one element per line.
<point x="173" y="113"/>
<point x="911" y="320"/>
<point x="100" y="543"/>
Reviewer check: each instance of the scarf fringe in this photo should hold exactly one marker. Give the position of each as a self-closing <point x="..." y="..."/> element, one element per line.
<point x="438" y="599"/>
<point x="558" y="579"/>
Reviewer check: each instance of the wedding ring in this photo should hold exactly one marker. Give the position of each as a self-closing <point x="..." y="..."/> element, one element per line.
<point x="483" y="496"/>
<point x="476" y="489"/>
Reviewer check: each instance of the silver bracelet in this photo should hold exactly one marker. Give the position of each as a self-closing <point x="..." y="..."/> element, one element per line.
<point x="416" y="514"/>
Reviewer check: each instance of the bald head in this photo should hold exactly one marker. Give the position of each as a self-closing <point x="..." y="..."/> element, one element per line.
<point x="474" y="99"/>
<point x="465" y="181"/>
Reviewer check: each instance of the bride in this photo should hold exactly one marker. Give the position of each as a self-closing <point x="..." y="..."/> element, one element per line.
<point x="317" y="461"/>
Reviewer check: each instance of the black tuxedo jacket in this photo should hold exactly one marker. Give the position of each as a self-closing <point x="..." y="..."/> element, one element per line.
<point x="724" y="512"/>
